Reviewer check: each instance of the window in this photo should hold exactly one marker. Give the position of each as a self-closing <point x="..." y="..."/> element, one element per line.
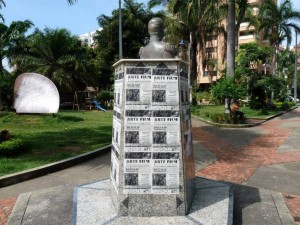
<point x="211" y="37"/>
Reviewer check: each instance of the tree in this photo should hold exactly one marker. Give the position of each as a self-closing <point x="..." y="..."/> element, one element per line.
<point x="233" y="25"/>
<point x="60" y="56"/>
<point x="249" y="58"/>
<point x="2" y="4"/>
<point x="277" y="23"/>
<point x="154" y="3"/>
<point x="194" y="20"/>
<point x="135" y="30"/>
<point x="10" y="36"/>
<point x="230" y="55"/>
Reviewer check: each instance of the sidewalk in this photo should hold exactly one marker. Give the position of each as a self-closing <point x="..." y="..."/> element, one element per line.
<point x="260" y="163"/>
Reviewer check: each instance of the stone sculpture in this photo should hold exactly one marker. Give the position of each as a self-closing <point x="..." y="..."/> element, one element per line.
<point x="156" y="48"/>
<point x="35" y="93"/>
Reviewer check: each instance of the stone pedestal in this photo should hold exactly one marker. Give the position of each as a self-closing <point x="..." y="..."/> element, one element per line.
<point x="152" y="163"/>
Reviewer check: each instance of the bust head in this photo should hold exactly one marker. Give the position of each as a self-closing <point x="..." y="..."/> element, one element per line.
<point x="156" y="27"/>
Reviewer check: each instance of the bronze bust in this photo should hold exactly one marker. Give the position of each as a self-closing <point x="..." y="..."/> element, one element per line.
<point x="156" y="48"/>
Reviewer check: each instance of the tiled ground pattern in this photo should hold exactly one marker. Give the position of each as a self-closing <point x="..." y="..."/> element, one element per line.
<point x="239" y="164"/>
<point x="234" y="164"/>
<point x="6" y="207"/>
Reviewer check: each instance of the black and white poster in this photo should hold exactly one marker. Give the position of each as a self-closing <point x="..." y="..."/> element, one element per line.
<point x="137" y="173"/>
<point x="165" y="87"/>
<point x="165" y="176"/>
<point x="114" y="173"/>
<point x="137" y="127"/>
<point x="166" y="127"/>
<point x="138" y="90"/>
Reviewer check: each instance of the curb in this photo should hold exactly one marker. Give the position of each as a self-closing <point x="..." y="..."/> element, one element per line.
<point x="50" y="168"/>
<point x="243" y="125"/>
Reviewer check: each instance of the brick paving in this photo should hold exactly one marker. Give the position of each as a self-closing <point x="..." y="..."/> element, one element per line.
<point x="6" y="207"/>
<point x="237" y="165"/>
<point x="293" y="203"/>
<point x="234" y="164"/>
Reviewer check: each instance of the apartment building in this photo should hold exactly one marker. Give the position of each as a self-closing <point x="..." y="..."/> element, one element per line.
<point x="216" y="49"/>
<point x="88" y="38"/>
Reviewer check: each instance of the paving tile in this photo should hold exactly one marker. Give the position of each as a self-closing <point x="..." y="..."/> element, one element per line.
<point x="6" y="207"/>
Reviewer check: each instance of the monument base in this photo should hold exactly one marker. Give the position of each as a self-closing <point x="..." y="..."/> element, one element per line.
<point x="212" y="204"/>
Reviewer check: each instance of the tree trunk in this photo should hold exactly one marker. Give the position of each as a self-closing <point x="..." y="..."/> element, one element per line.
<point x="193" y="59"/>
<point x="230" y="56"/>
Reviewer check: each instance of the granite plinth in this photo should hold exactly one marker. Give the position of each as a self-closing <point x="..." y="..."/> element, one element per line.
<point x="212" y="204"/>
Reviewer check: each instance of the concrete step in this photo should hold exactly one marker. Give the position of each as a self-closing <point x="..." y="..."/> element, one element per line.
<point x="213" y="204"/>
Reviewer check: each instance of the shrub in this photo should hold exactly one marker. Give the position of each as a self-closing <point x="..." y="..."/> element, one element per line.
<point x="225" y="118"/>
<point x="263" y="111"/>
<point x="4" y="135"/>
<point x="285" y="105"/>
<point x="12" y="147"/>
<point x="227" y="88"/>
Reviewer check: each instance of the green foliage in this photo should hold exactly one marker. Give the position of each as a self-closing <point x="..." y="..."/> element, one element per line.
<point x="202" y="95"/>
<point x="227" y="88"/>
<point x="59" y="56"/>
<point x="263" y="111"/>
<point x="225" y="118"/>
<point x="6" y="90"/>
<point x="135" y="29"/>
<point x="105" y="96"/>
<point x="4" y="135"/>
<point x="12" y="147"/>
<point x="55" y="138"/>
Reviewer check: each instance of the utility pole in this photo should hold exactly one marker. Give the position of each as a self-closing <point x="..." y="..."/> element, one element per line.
<point x="296" y="71"/>
<point x="120" y="32"/>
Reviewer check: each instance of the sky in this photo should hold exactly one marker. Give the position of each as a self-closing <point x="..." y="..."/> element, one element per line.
<point x="79" y="18"/>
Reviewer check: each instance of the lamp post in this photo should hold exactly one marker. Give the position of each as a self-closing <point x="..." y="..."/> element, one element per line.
<point x="120" y="32"/>
<point x="266" y="66"/>
<point x="295" y="72"/>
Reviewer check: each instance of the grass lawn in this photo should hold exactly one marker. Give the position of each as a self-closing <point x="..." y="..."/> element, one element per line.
<point x="206" y="110"/>
<point x="50" y="139"/>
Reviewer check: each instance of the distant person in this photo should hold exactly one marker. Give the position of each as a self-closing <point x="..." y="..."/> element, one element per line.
<point x="236" y="109"/>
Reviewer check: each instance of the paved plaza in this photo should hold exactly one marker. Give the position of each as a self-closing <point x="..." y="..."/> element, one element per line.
<point x="261" y="163"/>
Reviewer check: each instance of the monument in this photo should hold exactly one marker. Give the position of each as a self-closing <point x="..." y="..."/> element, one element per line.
<point x="152" y="157"/>
<point x="152" y="177"/>
<point x="35" y="93"/>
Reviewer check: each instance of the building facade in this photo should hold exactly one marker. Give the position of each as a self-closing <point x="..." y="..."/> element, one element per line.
<point x="216" y="49"/>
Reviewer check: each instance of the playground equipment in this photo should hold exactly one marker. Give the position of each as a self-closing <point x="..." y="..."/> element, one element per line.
<point x="83" y="99"/>
<point x="86" y="100"/>
<point x="98" y="106"/>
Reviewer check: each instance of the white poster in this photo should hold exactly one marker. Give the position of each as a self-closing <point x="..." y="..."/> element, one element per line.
<point x="165" y="177"/>
<point x="165" y="87"/>
<point x="166" y="127"/>
<point x="137" y="173"/>
<point x="114" y="173"/>
<point x="138" y="90"/>
<point x="138" y="122"/>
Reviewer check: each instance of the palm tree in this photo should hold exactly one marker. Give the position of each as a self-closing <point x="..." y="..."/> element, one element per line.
<point x="197" y="19"/>
<point x="10" y="36"/>
<point x="153" y="3"/>
<point x="60" y="56"/>
<point x="231" y="36"/>
<point x="233" y="24"/>
<point x="71" y="1"/>
<point x="2" y="3"/>
<point x="277" y="23"/>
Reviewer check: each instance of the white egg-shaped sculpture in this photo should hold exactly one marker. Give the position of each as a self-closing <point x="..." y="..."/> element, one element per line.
<point x="35" y="93"/>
